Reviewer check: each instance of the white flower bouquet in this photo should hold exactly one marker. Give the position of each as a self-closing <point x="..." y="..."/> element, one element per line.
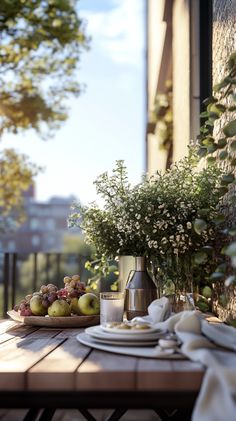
<point x="155" y="218"/>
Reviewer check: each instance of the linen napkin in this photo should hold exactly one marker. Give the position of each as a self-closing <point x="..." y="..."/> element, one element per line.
<point x="217" y="398"/>
<point x="158" y="310"/>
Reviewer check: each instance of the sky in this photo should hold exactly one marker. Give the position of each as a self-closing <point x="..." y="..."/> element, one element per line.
<point x="107" y="121"/>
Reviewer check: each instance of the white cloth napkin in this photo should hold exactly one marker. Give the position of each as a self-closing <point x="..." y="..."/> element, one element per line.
<point x="217" y="397"/>
<point x="158" y="310"/>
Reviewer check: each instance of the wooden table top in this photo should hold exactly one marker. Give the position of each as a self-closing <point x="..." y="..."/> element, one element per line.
<point x="40" y="359"/>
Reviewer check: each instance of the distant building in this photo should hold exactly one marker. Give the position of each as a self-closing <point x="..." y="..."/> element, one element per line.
<point x="44" y="227"/>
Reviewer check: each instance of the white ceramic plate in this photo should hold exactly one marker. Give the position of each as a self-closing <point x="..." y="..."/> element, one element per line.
<point x="136" y="351"/>
<point x="97" y="332"/>
<point x="124" y="343"/>
<point x="130" y="332"/>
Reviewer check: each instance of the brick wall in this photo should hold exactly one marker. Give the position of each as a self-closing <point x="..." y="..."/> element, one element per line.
<point x="224" y="43"/>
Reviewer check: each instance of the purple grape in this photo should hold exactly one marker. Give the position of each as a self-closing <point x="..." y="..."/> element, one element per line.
<point x="45" y="303"/>
<point x="52" y="297"/>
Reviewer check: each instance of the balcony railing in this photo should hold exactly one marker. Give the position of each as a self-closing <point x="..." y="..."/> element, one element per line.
<point x="22" y="273"/>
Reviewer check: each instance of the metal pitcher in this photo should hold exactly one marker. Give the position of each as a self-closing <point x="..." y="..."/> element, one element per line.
<point x="140" y="290"/>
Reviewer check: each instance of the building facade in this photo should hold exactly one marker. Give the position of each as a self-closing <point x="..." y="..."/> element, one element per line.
<point x="188" y="42"/>
<point x="44" y="228"/>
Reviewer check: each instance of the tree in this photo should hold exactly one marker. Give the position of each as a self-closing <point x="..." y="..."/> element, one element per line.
<point x="16" y="175"/>
<point x="40" y="47"/>
<point x="41" y="42"/>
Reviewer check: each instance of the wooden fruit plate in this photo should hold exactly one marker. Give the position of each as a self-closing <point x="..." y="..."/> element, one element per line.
<point x="59" y="322"/>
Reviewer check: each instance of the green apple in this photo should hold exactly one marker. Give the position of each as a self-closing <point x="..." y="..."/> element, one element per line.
<point x="89" y="304"/>
<point x="59" y="308"/>
<point x="36" y="306"/>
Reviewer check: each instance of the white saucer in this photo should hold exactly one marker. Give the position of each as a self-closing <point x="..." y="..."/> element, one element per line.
<point x="97" y="332"/>
<point x="123" y="342"/>
<point x="129" y="332"/>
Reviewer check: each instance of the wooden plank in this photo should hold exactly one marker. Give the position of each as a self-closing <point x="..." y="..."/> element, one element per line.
<point x="16" y="332"/>
<point x="164" y="375"/>
<point x="188" y="375"/>
<point x="21" y="331"/>
<point x="7" y="324"/>
<point x="45" y="333"/>
<point x="57" y="370"/>
<point x="153" y="374"/>
<point x="69" y="333"/>
<point x="17" y="356"/>
<point x="106" y="371"/>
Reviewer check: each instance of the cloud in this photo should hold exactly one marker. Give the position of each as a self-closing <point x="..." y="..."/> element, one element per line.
<point x="119" y="31"/>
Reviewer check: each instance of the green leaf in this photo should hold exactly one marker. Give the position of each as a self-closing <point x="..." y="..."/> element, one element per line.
<point x="208" y="249"/>
<point x="203" y="212"/>
<point x="216" y="109"/>
<point x="233" y="145"/>
<point x="223" y="155"/>
<point x="211" y="159"/>
<point x="223" y="301"/>
<point x="207" y="292"/>
<point x="209" y="100"/>
<point x="208" y="141"/>
<point x="217" y="275"/>
<point x="202" y="152"/>
<point x="228" y="178"/>
<point x="221" y="268"/>
<point x="233" y="162"/>
<point x="219" y="219"/>
<point x="230" y="280"/>
<point x="232" y="231"/>
<point x="230" y="129"/>
<point x="233" y="261"/>
<point x="219" y="86"/>
<point x="222" y="143"/>
<point x="199" y="225"/>
<point x="200" y="257"/>
<point x="212" y="148"/>
<point x="231" y="250"/>
<point x="232" y="60"/>
<point x="204" y="114"/>
<point x="223" y="190"/>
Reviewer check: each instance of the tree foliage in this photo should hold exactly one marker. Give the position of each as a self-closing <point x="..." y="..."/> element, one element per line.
<point x="16" y="175"/>
<point x="40" y="47"/>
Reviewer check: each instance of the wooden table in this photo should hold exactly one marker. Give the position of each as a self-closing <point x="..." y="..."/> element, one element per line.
<point x="50" y="369"/>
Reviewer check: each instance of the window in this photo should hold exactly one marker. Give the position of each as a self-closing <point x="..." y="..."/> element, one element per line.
<point x="50" y="224"/>
<point x="11" y="245"/>
<point x="35" y="240"/>
<point x="34" y="224"/>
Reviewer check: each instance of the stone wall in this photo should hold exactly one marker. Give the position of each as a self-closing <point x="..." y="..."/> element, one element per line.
<point x="223" y="44"/>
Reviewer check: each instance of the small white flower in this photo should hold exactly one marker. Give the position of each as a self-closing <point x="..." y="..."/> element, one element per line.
<point x="189" y="225"/>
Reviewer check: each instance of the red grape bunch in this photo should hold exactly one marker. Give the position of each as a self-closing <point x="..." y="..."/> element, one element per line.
<point x="24" y="307"/>
<point x="74" y="288"/>
<point x="49" y="294"/>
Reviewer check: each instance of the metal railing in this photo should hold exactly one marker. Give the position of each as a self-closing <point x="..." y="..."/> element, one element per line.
<point x="22" y="273"/>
